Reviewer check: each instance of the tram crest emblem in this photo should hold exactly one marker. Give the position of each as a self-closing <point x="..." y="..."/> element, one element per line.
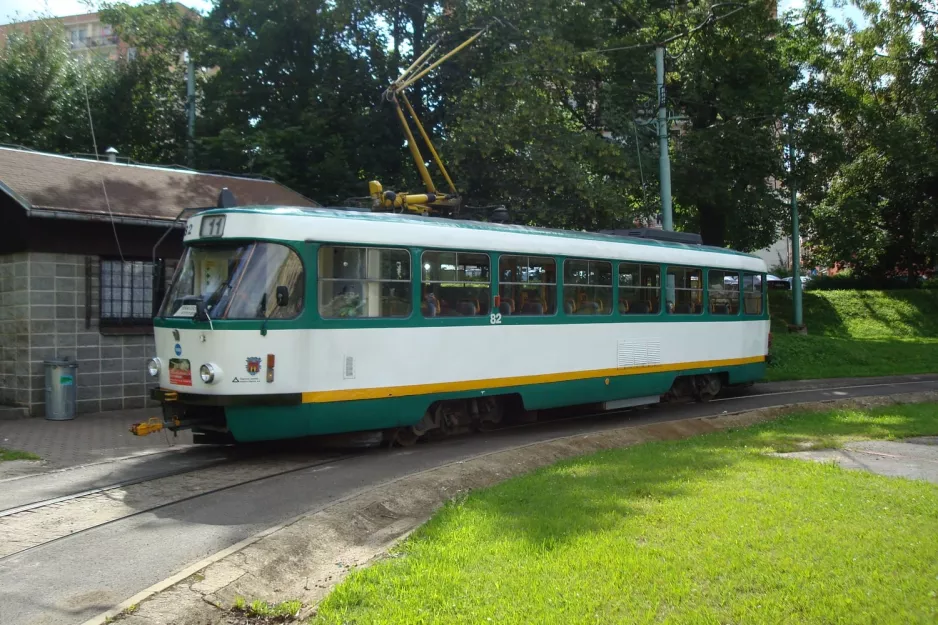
<point x="254" y="365"/>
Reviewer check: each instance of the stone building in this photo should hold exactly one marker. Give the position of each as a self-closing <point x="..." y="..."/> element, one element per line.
<point x="77" y="268"/>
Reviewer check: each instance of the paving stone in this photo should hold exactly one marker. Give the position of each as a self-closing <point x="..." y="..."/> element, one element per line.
<point x="87" y="438"/>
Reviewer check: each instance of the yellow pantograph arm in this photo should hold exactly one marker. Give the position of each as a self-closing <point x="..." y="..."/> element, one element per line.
<point x="414" y="150"/>
<point x="426" y="139"/>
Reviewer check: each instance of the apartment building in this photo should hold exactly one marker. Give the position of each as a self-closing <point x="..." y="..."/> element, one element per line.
<point x="86" y="34"/>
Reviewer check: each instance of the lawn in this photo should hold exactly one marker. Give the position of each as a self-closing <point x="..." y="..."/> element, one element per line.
<point x="12" y="454"/>
<point x="855" y="333"/>
<point x="710" y="529"/>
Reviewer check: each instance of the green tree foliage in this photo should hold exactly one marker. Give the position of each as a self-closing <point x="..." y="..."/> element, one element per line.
<point x="547" y="113"/>
<point x="296" y="95"/>
<point x="41" y="97"/>
<point x="141" y="107"/>
<point x="137" y="106"/>
<point x="731" y="80"/>
<point x="880" y="211"/>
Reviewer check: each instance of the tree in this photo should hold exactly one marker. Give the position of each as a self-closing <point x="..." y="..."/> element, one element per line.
<point x="47" y="94"/>
<point x="41" y="91"/>
<point x="294" y="95"/>
<point x="881" y="213"/>
<point x="142" y="106"/>
<point x="730" y="81"/>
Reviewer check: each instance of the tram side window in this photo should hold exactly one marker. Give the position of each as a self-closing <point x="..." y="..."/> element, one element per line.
<point x="684" y="291"/>
<point x="359" y="282"/>
<point x="527" y="285"/>
<point x="723" y="289"/>
<point x="587" y="287"/>
<point x="752" y="293"/>
<point x="639" y="289"/>
<point x="455" y="284"/>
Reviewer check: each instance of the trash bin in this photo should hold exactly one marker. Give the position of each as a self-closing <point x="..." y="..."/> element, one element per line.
<point x="61" y="389"/>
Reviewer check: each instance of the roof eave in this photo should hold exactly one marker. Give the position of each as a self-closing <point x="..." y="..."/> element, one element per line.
<point x="44" y="212"/>
<point x="19" y="199"/>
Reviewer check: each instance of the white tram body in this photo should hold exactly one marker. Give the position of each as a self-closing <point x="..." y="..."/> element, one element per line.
<point x="396" y="361"/>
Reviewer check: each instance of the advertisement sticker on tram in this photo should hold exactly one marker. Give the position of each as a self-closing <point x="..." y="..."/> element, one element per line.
<point x="180" y="373"/>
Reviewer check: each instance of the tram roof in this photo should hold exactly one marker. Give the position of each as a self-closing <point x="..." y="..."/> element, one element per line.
<point x="353" y="214"/>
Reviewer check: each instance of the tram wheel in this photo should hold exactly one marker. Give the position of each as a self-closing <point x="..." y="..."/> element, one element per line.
<point x="708" y="387"/>
<point x="406" y="437"/>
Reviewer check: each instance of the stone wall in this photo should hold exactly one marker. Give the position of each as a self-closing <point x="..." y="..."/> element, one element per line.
<point x="50" y="310"/>
<point x="14" y="329"/>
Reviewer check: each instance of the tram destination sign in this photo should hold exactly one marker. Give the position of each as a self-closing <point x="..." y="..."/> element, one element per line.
<point x="212" y="226"/>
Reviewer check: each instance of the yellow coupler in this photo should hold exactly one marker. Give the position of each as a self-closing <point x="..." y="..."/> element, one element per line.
<point x="153" y="424"/>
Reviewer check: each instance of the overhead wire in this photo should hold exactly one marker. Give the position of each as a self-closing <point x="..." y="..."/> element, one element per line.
<point x="94" y="141"/>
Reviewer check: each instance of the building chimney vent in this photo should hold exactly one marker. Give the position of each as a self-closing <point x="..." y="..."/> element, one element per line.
<point x="111" y="155"/>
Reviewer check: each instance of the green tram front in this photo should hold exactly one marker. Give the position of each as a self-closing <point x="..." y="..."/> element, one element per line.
<point x="226" y="334"/>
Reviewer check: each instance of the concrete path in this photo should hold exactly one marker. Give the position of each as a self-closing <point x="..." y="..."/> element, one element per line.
<point x="914" y="458"/>
<point x="85" y="439"/>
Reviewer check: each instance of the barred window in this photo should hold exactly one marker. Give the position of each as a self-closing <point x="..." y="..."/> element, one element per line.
<point x="126" y="292"/>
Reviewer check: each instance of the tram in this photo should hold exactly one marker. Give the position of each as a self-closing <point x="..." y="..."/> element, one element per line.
<point x="286" y="322"/>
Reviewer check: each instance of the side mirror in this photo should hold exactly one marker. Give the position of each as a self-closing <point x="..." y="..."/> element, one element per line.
<point x="283" y="296"/>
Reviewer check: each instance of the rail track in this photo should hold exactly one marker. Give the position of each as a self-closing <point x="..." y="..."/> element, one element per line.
<point x="28" y="526"/>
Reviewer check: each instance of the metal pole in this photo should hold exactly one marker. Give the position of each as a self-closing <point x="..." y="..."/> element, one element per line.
<point x="664" y="163"/>
<point x="190" y="79"/>
<point x="797" y="318"/>
<point x="795" y="257"/>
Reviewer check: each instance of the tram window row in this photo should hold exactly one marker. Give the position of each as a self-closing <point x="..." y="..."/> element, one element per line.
<point x="365" y="282"/>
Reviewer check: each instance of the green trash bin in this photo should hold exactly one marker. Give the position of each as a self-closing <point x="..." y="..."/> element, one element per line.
<point x="61" y="389"/>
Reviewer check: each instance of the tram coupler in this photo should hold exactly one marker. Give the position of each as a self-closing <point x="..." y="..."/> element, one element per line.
<point x="151" y="425"/>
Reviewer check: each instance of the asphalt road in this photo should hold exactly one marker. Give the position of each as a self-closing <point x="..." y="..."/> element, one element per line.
<point x="76" y="577"/>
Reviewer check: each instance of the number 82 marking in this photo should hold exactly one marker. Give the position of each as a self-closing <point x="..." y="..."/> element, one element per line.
<point x="495" y="318"/>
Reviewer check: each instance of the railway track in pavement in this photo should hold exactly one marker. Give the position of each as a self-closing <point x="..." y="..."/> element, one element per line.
<point x="36" y="523"/>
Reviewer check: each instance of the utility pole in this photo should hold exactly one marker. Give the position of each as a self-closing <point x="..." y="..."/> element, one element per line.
<point x="190" y="104"/>
<point x="664" y="162"/>
<point x="797" y="318"/>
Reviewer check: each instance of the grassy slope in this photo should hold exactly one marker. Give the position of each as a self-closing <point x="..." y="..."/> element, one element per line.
<point x="856" y="333"/>
<point x="709" y="529"/>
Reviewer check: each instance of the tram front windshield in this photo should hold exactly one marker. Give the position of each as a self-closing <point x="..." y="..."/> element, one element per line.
<point x="236" y="281"/>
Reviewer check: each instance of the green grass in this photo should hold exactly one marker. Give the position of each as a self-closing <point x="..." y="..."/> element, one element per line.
<point x="855" y="333"/>
<point x="12" y="454"/>
<point x="797" y="357"/>
<point x="263" y="610"/>
<point x="710" y="529"/>
<point x="861" y="314"/>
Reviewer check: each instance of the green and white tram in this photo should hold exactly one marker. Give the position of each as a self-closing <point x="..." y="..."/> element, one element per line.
<point x="289" y="322"/>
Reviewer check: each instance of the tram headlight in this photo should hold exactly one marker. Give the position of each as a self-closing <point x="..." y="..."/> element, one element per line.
<point x="208" y="372"/>
<point x="153" y="367"/>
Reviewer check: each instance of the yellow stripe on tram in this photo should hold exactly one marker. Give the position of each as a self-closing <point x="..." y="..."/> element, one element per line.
<point x="319" y="397"/>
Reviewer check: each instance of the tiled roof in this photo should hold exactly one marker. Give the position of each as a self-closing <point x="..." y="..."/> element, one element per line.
<point x="61" y="183"/>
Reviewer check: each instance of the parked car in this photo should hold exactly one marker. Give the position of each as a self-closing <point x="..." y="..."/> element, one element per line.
<point x="774" y="282"/>
<point x="804" y="281"/>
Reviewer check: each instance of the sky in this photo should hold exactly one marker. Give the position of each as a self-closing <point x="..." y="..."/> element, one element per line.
<point x="838" y="14"/>
<point x="25" y="9"/>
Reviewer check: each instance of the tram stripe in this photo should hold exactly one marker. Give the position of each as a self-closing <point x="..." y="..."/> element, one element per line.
<point x="319" y="397"/>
